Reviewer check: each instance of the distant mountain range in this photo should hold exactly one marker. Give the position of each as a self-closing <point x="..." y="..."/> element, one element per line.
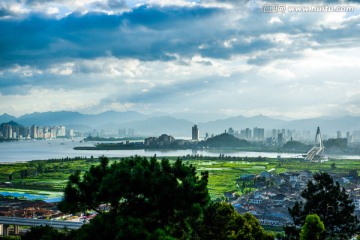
<point x="162" y="123"/>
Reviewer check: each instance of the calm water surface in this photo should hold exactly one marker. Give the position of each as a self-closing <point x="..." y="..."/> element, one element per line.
<point x="61" y="148"/>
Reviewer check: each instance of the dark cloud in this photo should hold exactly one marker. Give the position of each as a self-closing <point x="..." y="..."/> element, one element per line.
<point x="4" y="12"/>
<point x="144" y="33"/>
<point x="151" y="33"/>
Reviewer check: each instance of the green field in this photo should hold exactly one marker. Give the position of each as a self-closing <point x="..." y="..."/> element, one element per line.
<point x="52" y="175"/>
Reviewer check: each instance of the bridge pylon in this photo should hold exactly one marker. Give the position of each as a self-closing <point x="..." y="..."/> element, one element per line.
<point x="316" y="153"/>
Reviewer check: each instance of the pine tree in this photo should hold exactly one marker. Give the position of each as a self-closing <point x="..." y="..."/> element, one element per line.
<point x="138" y="198"/>
<point x="331" y="203"/>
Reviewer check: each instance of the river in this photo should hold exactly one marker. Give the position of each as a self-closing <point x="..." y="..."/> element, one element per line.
<point x="28" y="150"/>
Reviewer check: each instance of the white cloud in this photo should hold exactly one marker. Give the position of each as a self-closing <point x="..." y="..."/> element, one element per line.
<point x="62" y="69"/>
<point x="235" y="60"/>
<point x="41" y="100"/>
<point x="275" y="20"/>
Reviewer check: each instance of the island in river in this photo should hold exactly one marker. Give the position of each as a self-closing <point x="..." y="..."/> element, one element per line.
<point x="222" y="141"/>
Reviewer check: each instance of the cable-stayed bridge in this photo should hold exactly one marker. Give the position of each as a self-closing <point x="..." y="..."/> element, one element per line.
<point x="316" y="153"/>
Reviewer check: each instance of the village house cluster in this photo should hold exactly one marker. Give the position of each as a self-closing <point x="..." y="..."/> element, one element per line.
<point x="275" y="193"/>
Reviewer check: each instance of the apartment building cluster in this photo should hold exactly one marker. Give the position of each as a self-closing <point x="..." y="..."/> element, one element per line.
<point x="50" y="132"/>
<point x="281" y="136"/>
<point x="13" y="130"/>
<point x="261" y="135"/>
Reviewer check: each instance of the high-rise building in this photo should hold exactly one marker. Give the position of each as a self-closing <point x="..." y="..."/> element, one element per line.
<point x="195" y="133"/>
<point x="348" y="136"/>
<point x="40" y="133"/>
<point x="9" y="132"/>
<point x="71" y="133"/>
<point x="338" y="134"/>
<point x="131" y="132"/>
<point x="280" y="139"/>
<point x="33" y="131"/>
<point x="61" y="131"/>
<point x="246" y="134"/>
<point x="53" y="131"/>
<point x="259" y="134"/>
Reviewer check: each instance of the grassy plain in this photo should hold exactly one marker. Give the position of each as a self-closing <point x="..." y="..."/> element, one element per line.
<point x="51" y="176"/>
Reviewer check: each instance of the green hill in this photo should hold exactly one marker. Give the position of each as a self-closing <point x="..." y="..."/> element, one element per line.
<point x="225" y="140"/>
<point x="296" y="146"/>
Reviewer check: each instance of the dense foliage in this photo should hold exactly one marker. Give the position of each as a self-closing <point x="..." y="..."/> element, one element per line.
<point x="295" y="146"/>
<point x="331" y="203"/>
<point x="142" y="195"/>
<point x="336" y="144"/>
<point x="222" y="222"/>
<point x="138" y="198"/>
<point x="43" y="233"/>
<point x="313" y="228"/>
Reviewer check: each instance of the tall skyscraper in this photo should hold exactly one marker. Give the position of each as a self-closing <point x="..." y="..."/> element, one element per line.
<point x="195" y="133"/>
<point x="33" y="131"/>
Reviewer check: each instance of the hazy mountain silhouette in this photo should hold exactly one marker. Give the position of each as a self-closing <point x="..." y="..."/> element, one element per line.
<point x="241" y="122"/>
<point x="164" y="124"/>
<point x="4" y="118"/>
<point x="178" y="126"/>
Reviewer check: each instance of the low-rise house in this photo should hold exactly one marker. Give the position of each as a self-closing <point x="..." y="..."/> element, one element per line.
<point x="278" y="199"/>
<point x="356" y="202"/>
<point x="271" y="221"/>
<point x="344" y="180"/>
<point x="294" y="177"/>
<point x="255" y="200"/>
<point x="305" y="175"/>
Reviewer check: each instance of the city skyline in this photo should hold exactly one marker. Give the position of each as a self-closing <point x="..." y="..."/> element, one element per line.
<point x="194" y="57"/>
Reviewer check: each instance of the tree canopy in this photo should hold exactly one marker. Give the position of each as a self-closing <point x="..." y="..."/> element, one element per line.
<point x="222" y="222"/>
<point x="141" y="196"/>
<point x="313" y="228"/>
<point x="331" y="203"/>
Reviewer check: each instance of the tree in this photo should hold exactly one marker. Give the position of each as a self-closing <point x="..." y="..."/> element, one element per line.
<point x="222" y="222"/>
<point x="313" y="228"/>
<point x="138" y="198"/>
<point x="43" y="233"/>
<point x="331" y="203"/>
<point x="333" y="165"/>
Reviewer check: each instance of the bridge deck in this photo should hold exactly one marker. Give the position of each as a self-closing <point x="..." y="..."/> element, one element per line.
<point x="313" y="152"/>
<point x="37" y="222"/>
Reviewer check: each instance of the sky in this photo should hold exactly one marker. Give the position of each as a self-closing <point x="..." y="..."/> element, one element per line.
<point x="193" y="57"/>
